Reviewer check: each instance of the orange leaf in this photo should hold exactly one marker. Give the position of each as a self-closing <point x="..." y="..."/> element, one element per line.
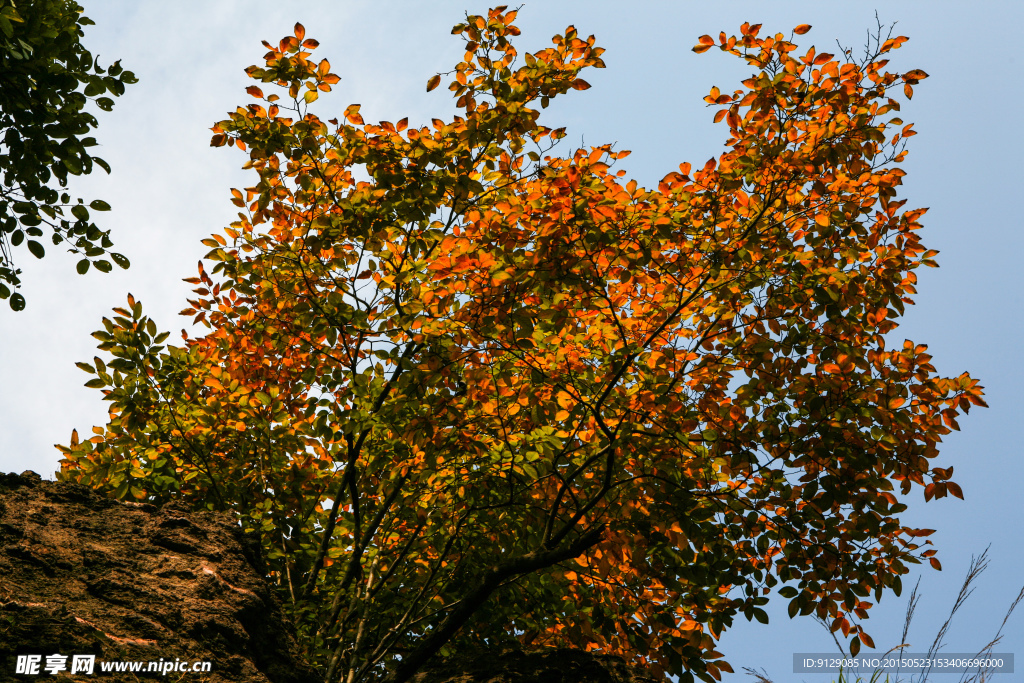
<point x="352" y="114"/>
<point x="432" y="83"/>
<point x="802" y="29"/>
<point x="300" y="31"/>
<point x="288" y="44"/>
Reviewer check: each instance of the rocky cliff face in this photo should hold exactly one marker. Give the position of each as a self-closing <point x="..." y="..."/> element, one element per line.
<point x="84" y="575"/>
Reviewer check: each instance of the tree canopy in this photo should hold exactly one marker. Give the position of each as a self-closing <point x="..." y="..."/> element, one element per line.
<point x="47" y="79"/>
<point x="470" y="392"/>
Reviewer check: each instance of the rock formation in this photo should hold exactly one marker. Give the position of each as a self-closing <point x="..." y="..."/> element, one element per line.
<point x="84" y="575"/>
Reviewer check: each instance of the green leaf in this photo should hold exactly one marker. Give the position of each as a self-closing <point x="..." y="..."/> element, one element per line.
<point x="121" y="260"/>
<point x="103" y="266"/>
<point x="80" y="212"/>
<point x="99" y="205"/>
<point x="36" y="248"/>
<point x="17" y="302"/>
<point x="74" y="165"/>
<point x="83" y="266"/>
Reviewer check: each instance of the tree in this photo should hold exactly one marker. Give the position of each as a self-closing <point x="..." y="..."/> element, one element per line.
<point x="47" y="78"/>
<point x="491" y="395"/>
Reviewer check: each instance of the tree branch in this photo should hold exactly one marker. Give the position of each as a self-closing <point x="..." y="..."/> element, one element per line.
<point x="491" y="581"/>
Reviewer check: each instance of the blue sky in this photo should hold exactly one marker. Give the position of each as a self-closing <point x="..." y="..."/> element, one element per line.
<point x="169" y="189"/>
